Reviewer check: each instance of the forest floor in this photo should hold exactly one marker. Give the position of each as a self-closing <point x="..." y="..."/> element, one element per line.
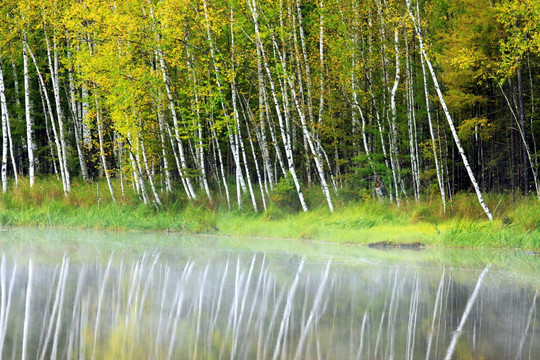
<point x="356" y="220"/>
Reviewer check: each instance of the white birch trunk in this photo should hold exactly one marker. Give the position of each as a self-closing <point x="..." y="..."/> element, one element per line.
<point x="525" y="145"/>
<point x="5" y="119"/>
<point x="307" y="134"/>
<point x="14" y="164"/>
<point x="449" y="118"/>
<point x="253" y="9"/>
<point x="51" y="118"/>
<point x="149" y="174"/>
<point x="274" y="138"/>
<point x="86" y="133"/>
<point x="263" y="142"/>
<point x="137" y="169"/>
<point x="168" y="184"/>
<point x="433" y="142"/>
<point x="374" y="101"/>
<point x="102" y="149"/>
<point x="120" y="146"/>
<point x="186" y="181"/>
<point x="235" y="149"/>
<point x="411" y="122"/>
<point x="200" y="150"/>
<point x="221" y="167"/>
<point x="248" y="177"/>
<point x="306" y="62"/>
<point x="174" y="145"/>
<point x="239" y="142"/>
<point x="18" y="102"/>
<point x="59" y="113"/>
<point x="47" y="130"/>
<point x="321" y="60"/>
<point x="77" y="121"/>
<point x="256" y="167"/>
<point x="393" y="127"/>
<point x="172" y="107"/>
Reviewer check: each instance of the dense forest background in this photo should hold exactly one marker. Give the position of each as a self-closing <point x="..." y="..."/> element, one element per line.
<point x="233" y="99"/>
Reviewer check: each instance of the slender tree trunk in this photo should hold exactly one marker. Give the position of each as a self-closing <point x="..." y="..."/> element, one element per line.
<point x="149" y="173"/>
<point x="5" y="119"/>
<point x="375" y="108"/>
<point x="99" y="121"/>
<point x="168" y="185"/>
<point x="440" y="179"/>
<point x="256" y="165"/>
<point x="306" y="61"/>
<point x="524" y="142"/>
<point x="77" y="125"/>
<point x="13" y="162"/>
<point x="172" y="107"/>
<point x="47" y="130"/>
<point x="28" y="115"/>
<point x="263" y="143"/>
<point x="449" y="118"/>
<point x="59" y="113"/>
<point x="307" y="134"/>
<point x="288" y="151"/>
<point x="51" y="118"/>
<point x="411" y="120"/>
<point x="235" y="149"/>
<point x="134" y="148"/>
<point x="174" y="145"/>
<point x="521" y="116"/>
<point x="393" y="135"/>
<point x="120" y="145"/>
<point x="274" y="138"/>
<point x="221" y="167"/>
<point x="246" y="165"/>
<point x="200" y="150"/>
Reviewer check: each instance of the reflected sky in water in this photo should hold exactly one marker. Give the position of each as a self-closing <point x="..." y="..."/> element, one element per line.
<point x="70" y="294"/>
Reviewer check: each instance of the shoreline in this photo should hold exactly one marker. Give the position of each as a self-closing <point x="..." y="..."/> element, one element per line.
<point x="347" y="226"/>
<point x="359" y="222"/>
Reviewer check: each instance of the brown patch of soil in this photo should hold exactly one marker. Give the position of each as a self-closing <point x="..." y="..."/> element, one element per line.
<point x="391" y="245"/>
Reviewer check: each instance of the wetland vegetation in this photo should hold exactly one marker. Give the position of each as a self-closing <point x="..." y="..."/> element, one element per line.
<point x="355" y="221"/>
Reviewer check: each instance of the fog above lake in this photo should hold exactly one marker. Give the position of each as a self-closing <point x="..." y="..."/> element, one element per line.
<point x="97" y="295"/>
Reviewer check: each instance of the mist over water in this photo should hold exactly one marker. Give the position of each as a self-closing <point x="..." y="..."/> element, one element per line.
<point x="204" y="301"/>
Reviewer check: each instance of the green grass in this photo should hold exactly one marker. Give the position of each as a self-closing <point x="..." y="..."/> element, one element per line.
<point x="356" y="220"/>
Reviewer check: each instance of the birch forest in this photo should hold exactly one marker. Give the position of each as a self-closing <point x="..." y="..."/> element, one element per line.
<point x="230" y="99"/>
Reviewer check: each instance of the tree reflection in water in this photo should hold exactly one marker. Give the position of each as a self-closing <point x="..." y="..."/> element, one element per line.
<point x="261" y="307"/>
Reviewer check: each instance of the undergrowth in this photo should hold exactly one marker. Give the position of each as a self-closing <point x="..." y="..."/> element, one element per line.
<point x="358" y="218"/>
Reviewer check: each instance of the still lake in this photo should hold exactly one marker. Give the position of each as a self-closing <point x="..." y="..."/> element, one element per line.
<point x="78" y="294"/>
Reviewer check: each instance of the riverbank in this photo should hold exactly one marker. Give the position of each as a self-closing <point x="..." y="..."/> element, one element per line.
<point x="366" y="221"/>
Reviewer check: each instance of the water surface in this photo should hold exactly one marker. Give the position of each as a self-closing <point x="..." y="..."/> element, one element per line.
<point x="70" y="294"/>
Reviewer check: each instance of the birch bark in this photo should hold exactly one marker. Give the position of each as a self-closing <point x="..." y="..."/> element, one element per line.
<point x="149" y="174"/>
<point x="53" y="66"/>
<point x="172" y="107"/>
<point x="102" y="149"/>
<point x="307" y="134"/>
<point x="438" y="168"/>
<point x="449" y="117"/>
<point x="5" y="119"/>
<point x="255" y="16"/>
<point x="77" y="124"/>
<point x="168" y="184"/>
<point x="51" y="118"/>
<point x="28" y="115"/>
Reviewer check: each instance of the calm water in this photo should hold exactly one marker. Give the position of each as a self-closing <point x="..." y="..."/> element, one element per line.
<point x="69" y="294"/>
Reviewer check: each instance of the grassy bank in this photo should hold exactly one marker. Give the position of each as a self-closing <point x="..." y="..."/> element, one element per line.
<point x="359" y="220"/>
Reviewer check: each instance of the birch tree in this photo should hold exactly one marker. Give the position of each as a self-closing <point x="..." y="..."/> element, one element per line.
<point x="449" y="117"/>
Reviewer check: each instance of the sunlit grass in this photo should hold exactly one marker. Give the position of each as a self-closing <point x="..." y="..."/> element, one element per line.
<point x="516" y="225"/>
